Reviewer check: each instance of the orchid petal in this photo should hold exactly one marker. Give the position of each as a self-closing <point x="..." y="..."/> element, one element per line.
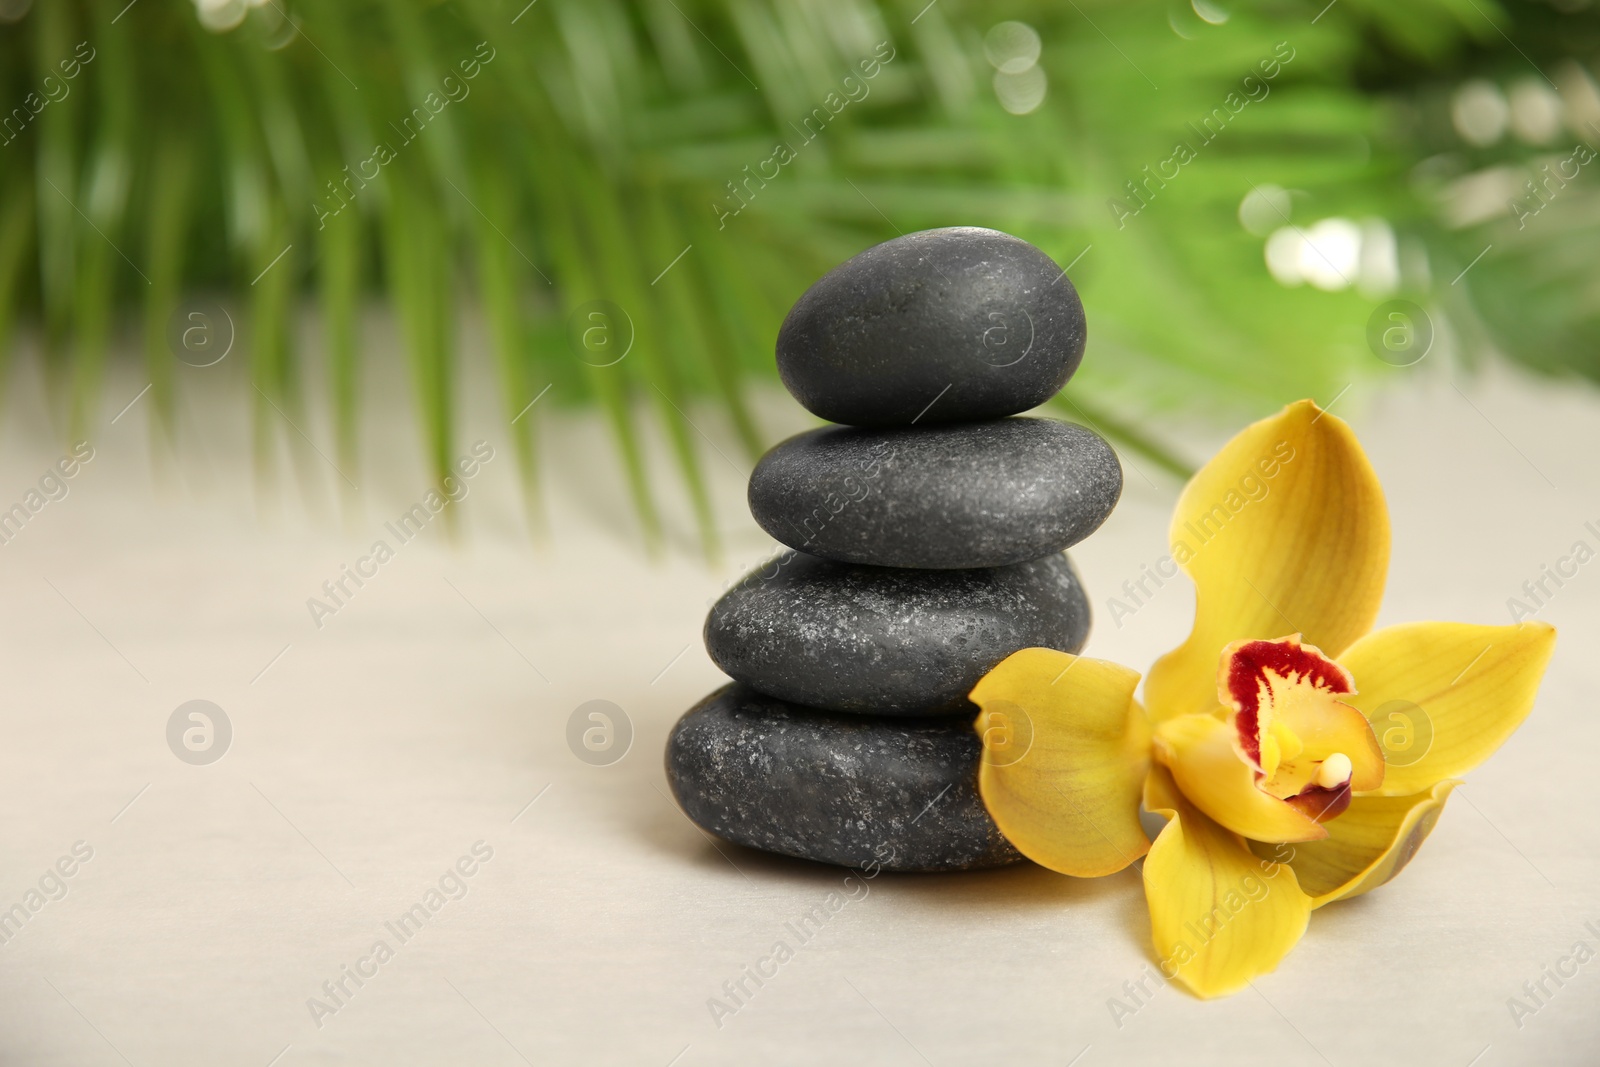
<point x="1065" y="751"/>
<point x="1366" y="846"/>
<point x="1443" y="696"/>
<point x="1284" y="530"/>
<point x="1199" y="751"/>
<point x="1219" y="916"/>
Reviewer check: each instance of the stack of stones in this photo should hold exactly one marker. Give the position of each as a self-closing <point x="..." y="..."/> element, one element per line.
<point x="926" y="540"/>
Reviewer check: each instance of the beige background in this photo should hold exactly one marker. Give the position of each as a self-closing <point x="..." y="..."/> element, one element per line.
<point x="430" y="711"/>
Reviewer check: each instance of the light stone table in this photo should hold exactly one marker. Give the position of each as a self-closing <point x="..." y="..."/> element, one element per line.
<point x="401" y="774"/>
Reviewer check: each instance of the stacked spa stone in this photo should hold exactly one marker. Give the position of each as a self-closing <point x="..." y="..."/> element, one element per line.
<point x="926" y="535"/>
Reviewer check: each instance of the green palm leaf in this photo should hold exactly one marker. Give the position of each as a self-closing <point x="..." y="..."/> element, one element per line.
<point x="665" y="177"/>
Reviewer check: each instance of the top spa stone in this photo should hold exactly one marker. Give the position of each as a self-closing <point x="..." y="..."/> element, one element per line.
<point x="949" y="325"/>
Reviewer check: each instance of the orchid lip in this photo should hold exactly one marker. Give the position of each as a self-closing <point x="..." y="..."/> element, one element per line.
<point x="1293" y="726"/>
<point x="1321" y="803"/>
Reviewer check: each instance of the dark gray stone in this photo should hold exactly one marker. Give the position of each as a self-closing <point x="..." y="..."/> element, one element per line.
<point x="945" y="325"/>
<point x="981" y="494"/>
<point x="887" y="641"/>
<point x="855" y="790"/>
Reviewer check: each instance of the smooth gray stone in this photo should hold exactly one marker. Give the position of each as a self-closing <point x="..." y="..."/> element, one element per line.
<point x="945" y="325"/>
<point x="886" y="641"/>
<point x="980" y="494"/>
<point x="855" y="790"/>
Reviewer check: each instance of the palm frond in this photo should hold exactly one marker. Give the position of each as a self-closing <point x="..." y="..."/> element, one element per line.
<point x="636" y="190"/>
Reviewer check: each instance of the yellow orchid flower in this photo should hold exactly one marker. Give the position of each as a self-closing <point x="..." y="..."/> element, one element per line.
<point x="1299" y="758"/>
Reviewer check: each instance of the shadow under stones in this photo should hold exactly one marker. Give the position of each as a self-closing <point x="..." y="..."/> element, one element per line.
<point x="1020" y="885"/>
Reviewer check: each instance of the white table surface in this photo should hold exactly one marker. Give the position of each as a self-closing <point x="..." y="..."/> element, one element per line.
<point x="426" y="714"/>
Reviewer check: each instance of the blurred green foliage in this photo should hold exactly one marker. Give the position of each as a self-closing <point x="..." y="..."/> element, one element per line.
<point x="532" y="160"/>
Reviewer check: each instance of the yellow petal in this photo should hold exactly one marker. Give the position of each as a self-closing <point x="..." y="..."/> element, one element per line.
<point x="1065" y="750"/>
<point x="1284" y="530"/>
<point x="1442" y="696"/>
<point x="1199" y="751"/>
<point x="1366" y="846"/>
<point x="1219" y="916"/>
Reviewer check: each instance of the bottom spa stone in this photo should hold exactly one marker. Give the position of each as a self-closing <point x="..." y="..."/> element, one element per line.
<point x="850" y="789"/>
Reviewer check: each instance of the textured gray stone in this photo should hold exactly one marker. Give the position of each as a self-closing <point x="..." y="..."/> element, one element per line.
<point x="945" y="325"/>
<point x="980" y="494"/>
<point x="848" y="789"/>
<point x="887" y="641"/>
